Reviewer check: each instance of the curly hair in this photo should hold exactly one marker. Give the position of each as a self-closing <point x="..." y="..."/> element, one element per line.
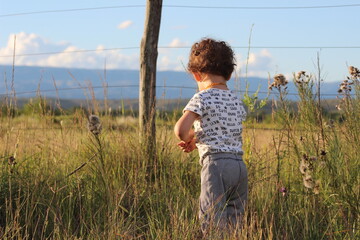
<point x="212" y="57"/>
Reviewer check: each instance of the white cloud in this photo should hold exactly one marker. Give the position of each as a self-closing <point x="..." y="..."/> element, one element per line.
<point x="70" y="56"/>
<point x="173" y="59"/>
<point x="125" y="24"/>
<point x="25" y="44"/>
<point x="67" y="55"/>
<point x="259" y="64"/>
<point x="176" y="42"/>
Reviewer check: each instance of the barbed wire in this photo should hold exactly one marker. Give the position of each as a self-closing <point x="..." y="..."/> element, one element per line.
<point x="179" y="47"/>
<point x="137" y="86"/>
<point x="67" y="89"/>
<point x="179" y="6"/>
<point x="262" y="8"/>
<point x="69" y="52"/>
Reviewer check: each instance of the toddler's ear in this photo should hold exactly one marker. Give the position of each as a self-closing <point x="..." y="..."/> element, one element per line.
<point x="197" y="76"/>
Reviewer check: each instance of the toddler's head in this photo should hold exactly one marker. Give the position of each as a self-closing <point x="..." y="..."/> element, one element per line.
<point x="212" y="57"/>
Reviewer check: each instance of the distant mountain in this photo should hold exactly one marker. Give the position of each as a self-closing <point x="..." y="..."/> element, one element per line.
<point x="122" y="84"/>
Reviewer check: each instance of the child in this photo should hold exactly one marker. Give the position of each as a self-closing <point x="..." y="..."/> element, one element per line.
<point x="216" y="113"/>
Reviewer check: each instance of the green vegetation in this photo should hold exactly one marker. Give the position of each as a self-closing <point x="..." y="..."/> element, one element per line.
<point x="58" y="180"/>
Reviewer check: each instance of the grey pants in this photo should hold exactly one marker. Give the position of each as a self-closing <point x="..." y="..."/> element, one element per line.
<point x="224" y="190"/>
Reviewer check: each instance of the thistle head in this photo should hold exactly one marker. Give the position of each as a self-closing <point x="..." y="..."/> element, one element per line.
<point x="308" y="181"/>
<point x="11" y="161"/>
<point x="354" y="72"/>
<point x="304" y="166"/>
<point x="316" y="189"/>
<point x="279" y="80"/>
<point x="301" y="77"/>
<point x="345" y="86"/>
<point x="94" y="125"/>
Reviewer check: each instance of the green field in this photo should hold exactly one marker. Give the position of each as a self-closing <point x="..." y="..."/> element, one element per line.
<point x="60" y="181"/>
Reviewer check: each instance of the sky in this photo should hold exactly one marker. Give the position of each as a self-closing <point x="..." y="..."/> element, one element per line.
<point x="268" y="36"/>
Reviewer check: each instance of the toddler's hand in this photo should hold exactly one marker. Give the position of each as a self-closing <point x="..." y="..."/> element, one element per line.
<point x="187" y="146"/>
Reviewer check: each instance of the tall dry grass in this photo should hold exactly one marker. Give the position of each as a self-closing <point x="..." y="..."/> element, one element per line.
<point x="58" y="180"/>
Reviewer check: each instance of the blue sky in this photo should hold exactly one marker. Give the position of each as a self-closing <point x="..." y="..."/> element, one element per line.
<point x="180" y="27"/>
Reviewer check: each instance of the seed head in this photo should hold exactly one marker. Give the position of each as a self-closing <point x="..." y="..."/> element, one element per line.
<point x="94" y="125"/>
<point x="323" y="152"/>
<point x="354" y="72"/>
<point x="303" y="167"/>
<point x="306" y="167"/>
<point x="316" y="189"/>
<point x="301" y="77"/>
<point x="300" y="74"/>
<point x="306" y="164"/>
<point x="345" y="86"/>
<point x="308" y="181"/>
<point x="11" y="161"/>
<point x="279" y="80"/>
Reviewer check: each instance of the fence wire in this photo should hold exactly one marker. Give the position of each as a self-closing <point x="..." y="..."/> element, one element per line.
<point x="12" y="93"/>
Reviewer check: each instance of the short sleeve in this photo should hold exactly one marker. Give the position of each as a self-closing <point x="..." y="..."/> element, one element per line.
<point x="195" y="105"/>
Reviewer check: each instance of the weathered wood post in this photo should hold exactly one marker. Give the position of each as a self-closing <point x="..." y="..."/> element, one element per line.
<point x="148" y="58"/>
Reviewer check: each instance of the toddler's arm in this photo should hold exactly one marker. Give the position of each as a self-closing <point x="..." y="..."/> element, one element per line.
<point x="183" y="129"/>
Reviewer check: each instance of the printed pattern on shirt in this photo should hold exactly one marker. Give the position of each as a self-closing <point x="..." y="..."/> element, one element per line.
<point x="219" y="127"/>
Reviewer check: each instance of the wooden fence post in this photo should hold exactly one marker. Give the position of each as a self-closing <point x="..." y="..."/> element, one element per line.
<point x="148" y="58"/>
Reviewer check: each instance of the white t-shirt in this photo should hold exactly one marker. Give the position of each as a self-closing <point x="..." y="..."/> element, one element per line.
<point x="219" y="127"/>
